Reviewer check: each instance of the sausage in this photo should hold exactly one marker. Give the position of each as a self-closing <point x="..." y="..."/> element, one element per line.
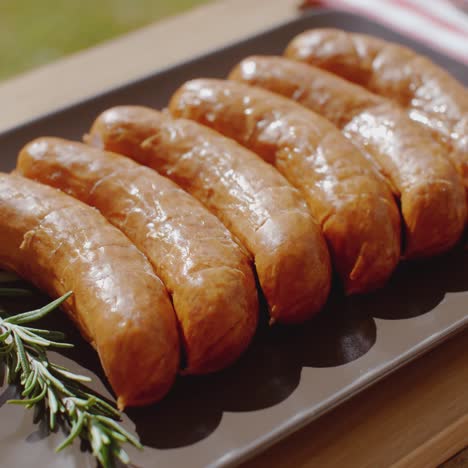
<point x="432" y="97"/>
<point x="207" y="274"/>
<point x="356" y="211"/>
<point x="430" y="191"/>
<point x="248" y="195"/>
<point x="118" y="303"/>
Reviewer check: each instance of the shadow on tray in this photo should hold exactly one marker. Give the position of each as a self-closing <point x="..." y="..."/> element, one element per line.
<point x="271" y="368"/>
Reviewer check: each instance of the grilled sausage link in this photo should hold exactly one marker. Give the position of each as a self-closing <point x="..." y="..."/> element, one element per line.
<point x="432" y="97"/>
<point x="119" y="305"/>
<point x="250" y="197"/>
<point x="206" y="272"/>
<point x="355" y="209"/>
<point x="431" y="193"/>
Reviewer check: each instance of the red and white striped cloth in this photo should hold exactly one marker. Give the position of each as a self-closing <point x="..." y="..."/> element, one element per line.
<point x="442" y="24"/>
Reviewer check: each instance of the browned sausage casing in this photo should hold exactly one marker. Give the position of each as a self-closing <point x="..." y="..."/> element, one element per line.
<point x="119" y="305"/>
<point x="432" y="97"/>
<point x="251" y="197"/>
<point x="355" y="209"/>
<point x="208" y="275"/>
<point x="431" y="191"/>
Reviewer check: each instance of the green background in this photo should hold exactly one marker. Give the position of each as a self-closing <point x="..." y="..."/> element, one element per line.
<point x="33" y="32"/>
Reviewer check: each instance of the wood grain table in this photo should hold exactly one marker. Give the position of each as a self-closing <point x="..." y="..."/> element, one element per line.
<point x="418" y="416"/>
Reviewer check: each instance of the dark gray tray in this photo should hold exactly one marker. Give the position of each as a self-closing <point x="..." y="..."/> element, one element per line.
<point x="289" y="376"/>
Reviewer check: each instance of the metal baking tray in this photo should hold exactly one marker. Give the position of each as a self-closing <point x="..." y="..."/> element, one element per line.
<point x="289" y="376"/>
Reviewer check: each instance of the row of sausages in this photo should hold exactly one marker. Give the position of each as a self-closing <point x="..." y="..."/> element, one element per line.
<point x="162" y="268"/>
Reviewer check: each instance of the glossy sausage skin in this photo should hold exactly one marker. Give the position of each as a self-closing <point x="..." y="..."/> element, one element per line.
<point x="250" y="197"/>
<point x="208" y="275"/>
<point x="432" y="97"/>
<point x="355" y="209"/>
<point x="119" y="305"/>
<point x="430" y="190"/>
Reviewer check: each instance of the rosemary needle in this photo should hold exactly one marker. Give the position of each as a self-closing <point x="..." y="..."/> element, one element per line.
<point x="55" y="391"/>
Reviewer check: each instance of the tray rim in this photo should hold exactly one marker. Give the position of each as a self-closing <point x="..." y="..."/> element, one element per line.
<point x="310" y="12"/>
<point x="299" y="421"/>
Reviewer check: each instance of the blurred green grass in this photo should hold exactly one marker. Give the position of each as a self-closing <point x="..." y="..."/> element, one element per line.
<point x="34" y="32"/>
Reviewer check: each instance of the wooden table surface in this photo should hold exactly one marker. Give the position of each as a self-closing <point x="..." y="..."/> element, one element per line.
<point x="417" y="417"/>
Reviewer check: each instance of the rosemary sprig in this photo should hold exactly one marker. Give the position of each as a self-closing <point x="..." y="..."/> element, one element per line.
<point x="56" y="392"/>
